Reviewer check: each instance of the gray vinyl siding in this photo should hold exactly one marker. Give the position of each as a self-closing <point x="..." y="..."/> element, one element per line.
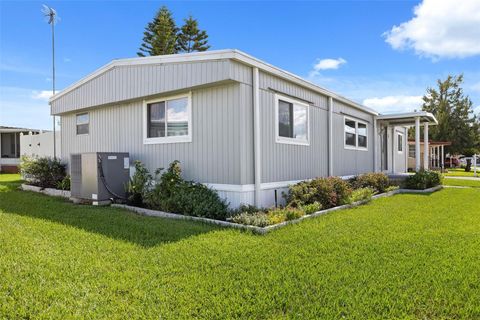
<point x="139" y="81"/>
<point x="221" y="150"/>
<point x="346" y="161"/>
<point x="213" y="156"/>
<point x="286" y="162"/>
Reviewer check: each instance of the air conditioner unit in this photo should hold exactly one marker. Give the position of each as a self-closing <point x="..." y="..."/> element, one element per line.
<point x="99" y="177"/>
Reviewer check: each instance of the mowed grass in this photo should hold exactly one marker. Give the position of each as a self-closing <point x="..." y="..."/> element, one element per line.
<point x="459" y="172"/>
<point x="462" y="183"/>
<point x="407" y="256"/>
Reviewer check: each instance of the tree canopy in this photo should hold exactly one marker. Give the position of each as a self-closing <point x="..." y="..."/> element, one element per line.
<point x="162" y="36"/>
<point x="454" y="112"/>
<point x="191" y="38"/>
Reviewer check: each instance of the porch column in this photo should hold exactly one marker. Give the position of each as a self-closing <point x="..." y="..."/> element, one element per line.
<point x="0" y="152"/>
<point x="425" y="146"/>
<point x="394" y="149"/>
<point x="442" y="159"/>
<point x="417" y="143"/>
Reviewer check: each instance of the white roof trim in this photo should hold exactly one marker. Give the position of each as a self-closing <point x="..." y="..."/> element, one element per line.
<point x="409" y="115"/>
<point x="214" y="55"/>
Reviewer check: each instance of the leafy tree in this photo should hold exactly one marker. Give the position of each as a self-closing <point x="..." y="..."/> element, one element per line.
<point x="160" y="36"/>
<point x="191" y="38"/>
<point x="454" y="112"/>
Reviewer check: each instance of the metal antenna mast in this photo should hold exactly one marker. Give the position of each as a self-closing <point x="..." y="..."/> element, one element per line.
<point x="52" y="18"/>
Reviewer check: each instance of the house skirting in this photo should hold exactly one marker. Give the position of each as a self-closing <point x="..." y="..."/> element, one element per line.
<point x="9" y="165"/>
<point x="237" y="195"/>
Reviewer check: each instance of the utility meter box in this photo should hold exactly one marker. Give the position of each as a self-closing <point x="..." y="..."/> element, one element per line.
<point x="99" y="176"/>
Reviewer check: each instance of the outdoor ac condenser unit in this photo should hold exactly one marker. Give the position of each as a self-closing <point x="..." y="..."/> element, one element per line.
<point x="99" y="176"/>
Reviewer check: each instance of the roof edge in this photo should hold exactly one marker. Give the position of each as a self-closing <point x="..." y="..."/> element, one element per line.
<point x="233" y="54"/>
<point x="414" y="114"/>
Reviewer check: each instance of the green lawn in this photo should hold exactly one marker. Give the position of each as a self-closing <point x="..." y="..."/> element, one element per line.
<point x="459" y="172"/>
<point x="462" y="183"/>
<point x="407" y="256"/>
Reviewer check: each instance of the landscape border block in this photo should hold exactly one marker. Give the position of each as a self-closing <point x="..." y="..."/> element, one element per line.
<point x="47" y="191"/>
<point x="255" y="229"/>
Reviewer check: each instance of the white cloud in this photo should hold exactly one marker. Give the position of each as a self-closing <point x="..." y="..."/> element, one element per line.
<point x="18" y="108"/>
<point x="42" y="95"/>
<point x="326" y="64"/>
<point x="394" y="104"/>
<point x="476" y="87"/>
<point x="67" y="60"/>
<point x="476" y="111"/>
<point x="440" y="29"/>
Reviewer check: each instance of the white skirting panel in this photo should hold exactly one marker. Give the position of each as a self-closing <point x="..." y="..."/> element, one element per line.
<point x="237" y="195"/>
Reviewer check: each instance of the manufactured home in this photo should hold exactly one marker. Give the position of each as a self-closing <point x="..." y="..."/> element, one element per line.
<point x="237" y="124"/>
<point x="10" y="150"/>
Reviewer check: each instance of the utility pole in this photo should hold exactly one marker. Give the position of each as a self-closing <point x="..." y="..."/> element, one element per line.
<point x="51" y="15"/>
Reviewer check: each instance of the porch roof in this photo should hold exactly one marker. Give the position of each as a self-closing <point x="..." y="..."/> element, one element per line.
<point x="408" y="119"/>
<point x="431" y="142"/>
<point x="16" y="129"/>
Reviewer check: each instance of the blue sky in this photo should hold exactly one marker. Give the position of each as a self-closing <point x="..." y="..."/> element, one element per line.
<point x="380" y="53"/>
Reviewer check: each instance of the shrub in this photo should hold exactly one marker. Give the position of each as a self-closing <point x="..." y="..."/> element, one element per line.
<point x="392" y="188"/>
<point x="173" y="194"/>
<point x="377" y="181"/>
<point x="362" y="194"/>
<point x="329" y="192"/>
<point x="64" y="184"/>
<point x="424" y="179"/>
<point x="138" y="185"/>
<point x="44" y="172"/>
<point x="311" y="208"/>
<point x="269" y="217"/>
<point x="279" y="215"/>
<point x="258" y="219"/>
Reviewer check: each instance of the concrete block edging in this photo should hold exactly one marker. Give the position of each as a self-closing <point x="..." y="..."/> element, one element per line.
<point x="255" y="229"/>
<point x="264" y="230"/>
<point x="47" y="191"/>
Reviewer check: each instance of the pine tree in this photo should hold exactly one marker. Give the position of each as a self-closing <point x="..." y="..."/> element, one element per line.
<point x="454" y="112"/>
<point x="191" y="38"/>
<point x="160" y="36"/>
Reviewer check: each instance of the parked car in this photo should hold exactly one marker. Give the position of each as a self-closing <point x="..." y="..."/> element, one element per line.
<point x="455" y="162"/>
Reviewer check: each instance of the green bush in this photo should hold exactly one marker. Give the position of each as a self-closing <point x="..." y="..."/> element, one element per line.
<point x="424" y="179"/>
<point x="377" y="181"/>
<point x="362" y="194"/>
<point x="329" y="192"/>
<point x="311" y="208"/>
<point x="64" y="184"/>
<point x="392" y="188"/>
<point x="258" y="219"/>
<point x="279" y="215"/>
<point x="173" y="194"/>
<point x="138" y="185"/>
<point x="44" y="172"/>
<point x="269" y="217"/>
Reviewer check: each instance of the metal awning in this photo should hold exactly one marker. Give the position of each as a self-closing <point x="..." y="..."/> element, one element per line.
<point x="408" y="119"/>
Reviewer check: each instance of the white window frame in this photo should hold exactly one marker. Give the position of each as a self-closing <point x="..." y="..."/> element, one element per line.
<point x="399" y="134"/>
<point x="356" y="147"/>
<point x="76" y="124"/>
<point x="285" y="140"/>
<point x="168" y="139"/>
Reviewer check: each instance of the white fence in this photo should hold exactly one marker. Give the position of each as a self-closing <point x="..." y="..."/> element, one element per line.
<point x="39" y="145"/>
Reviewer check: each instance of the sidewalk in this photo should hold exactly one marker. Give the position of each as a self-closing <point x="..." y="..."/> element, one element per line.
<point x="466" y="178"/>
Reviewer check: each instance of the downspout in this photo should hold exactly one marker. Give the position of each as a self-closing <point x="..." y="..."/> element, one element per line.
<point x="330" y="136"/>
<point x="256" y="136"/>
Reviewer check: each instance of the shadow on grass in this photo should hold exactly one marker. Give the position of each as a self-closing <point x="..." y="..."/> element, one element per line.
<point x="111" y="222"/>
